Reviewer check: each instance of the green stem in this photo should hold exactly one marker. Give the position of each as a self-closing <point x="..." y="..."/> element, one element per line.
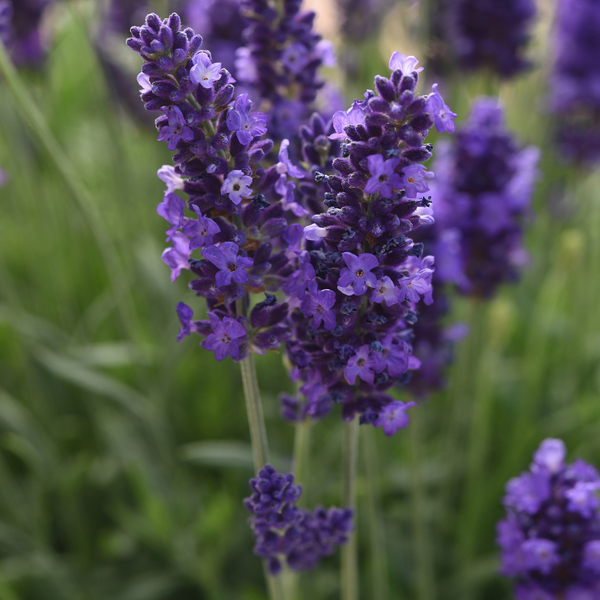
<point x="376" y="530"/>
<point x="301" y="453"/>
<point x="424" y="559"/>
<point x="349" y="570"/>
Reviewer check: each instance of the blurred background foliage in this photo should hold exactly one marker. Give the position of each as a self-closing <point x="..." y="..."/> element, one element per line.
<point x="124" y="456"/>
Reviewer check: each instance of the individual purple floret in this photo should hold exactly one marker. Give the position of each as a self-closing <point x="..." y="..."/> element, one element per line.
<point x="359" y="249"/>
<point x="575" y="80"/>
<point x="487" y="34"/>
<point x="482" y="193"/>
<point x="550" y="540"/>
<point x="286" y="533"/>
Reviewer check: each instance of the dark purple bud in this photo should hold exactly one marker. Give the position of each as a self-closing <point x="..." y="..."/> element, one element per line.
<point x="416" y="154"/>
<point x="273" y="227"/>
<point x="385" y="88"/>
<point x="224" y="96"/>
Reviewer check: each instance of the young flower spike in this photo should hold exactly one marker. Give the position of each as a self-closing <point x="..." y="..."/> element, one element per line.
<point x="284" y="532"/>
<point x="550" y="540"/>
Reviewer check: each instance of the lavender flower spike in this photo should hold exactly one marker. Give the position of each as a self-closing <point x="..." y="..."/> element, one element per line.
<point x="550" y="539"/>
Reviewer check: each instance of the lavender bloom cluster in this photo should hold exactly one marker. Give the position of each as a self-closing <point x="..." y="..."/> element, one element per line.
<point x="490" y="34"/>
<point x="237" y="212"/>
<point x="483" y="189"/>
<point x="287" y="533"/>
<point x="575" y="80"/>
<point x="280" y="61"/>
<point x="20" y="29"/>
<point x="550" y="540"/>
<point x="360" y="279"/>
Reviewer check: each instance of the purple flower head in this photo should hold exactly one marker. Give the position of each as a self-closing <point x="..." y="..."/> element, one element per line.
<point x="403" y="63"/>
<point x="173" y="180"/>
<point x="204" y="72"/>
<point x="231" y="266"/>
<point x="551" y="455"/>
<point x="356" y="277"/>
<point x="295" y="57"/>
<point x="237" y="186"/>
<point x="383" y="178"/>
<point x="177" y="257"/>
<point x="540" y="555"/>
<point x="385" y="290"/>
<point x="363" y="364"/>
<point x="583" y="498"/>
<point x="393" y="417"/>
<point x="441" y="113"/>
<point x="201" y="230"/>
<point x="318" y="305"/>
<point x="171" y="209"/>
<point x="355" y="115"/>
<point x="226" y="337"/>
<point x="551" y="538"/>
<point x="176" y="130"/>
<point x="413" y="180"/>
<point x="247" y="126"/>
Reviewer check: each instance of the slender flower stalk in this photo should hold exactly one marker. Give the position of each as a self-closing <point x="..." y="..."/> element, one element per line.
<point x="349" y="554"/>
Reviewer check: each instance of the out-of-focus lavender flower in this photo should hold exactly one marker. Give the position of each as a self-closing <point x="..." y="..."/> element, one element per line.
<point x="575" y="80"/>
<point x="550" y="540"/>
<point x="482" y="193"/>
<point x="286" y="533"/>
<point x="280" y="61"/>
<point x="486" y="34"/>
<point x="359" y="250"/>
<point x="20" y="29"/>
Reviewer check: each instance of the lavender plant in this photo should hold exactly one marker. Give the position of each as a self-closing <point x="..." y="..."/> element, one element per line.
<point x="575" y="79"/>
<point x="550" y="540"/>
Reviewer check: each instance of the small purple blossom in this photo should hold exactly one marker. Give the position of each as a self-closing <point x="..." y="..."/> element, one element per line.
<point x="226" y="337"/>
<point x="295" y="57"/>
<point x="551" y="455"/>
<point x="177" y="257"/>
<point x="231" y="266"/>
<point x="247" y="126"/>
<point x="591" y="556"/>
<point x="583" y="498"/>
<point x="403" y="63"/>
<point x="540" y="555"/>
<point x="201" y="230"/>
<point x="393" y="417"/>
<point x="176" y="130"/>
<point x="204" y="72"/>
<point x="355" y="115"/>
<point x="363" y="364"/>
<point x="318" y="305"/>
<point x="285" y="165"/>
<point x="185" y="314"/>
<point x="237" y="186"/>
<point x="314" y="233"/>
<point x="413" y="180"/>
<point x="441" y="113"/>
<point x="171" y="209"/>
<point x="385" y="290"/>
<point x="383" y="178"/>
<point x="173" y="180"/>
<point x="357" y="277"/>
<point x="526" y="492"/>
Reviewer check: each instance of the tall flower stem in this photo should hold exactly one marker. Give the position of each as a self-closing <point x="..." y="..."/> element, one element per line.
<point x="258" y="437"/>
<point x="349" y="571"/>
<point x="301" y="454"/>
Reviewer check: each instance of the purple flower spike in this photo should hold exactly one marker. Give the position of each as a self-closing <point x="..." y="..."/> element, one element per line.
<point x="385" y="290"/>
<point x="204" y="72"/>
<point x="232" y="267"/>
<point x="413" y="180"/>
<point x="200" y="231"/>
<point x="403" y="63"/>
<point x="441" y="113"/>
<point x="355" y="279"/>
<point x="550" y="539"/>
<point x="393" y="417"/>
<point x="171" y="209"/>
<point x="318" y="305"/>
<point x="247" y="126"/>
<point x="363" y="364"/>
<point x="178" y="256"/>
<point x="226" y="337"/>
<point x="383" y="179"/>
<point x="176" y="129"/>
<point x="237" y="186"/>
